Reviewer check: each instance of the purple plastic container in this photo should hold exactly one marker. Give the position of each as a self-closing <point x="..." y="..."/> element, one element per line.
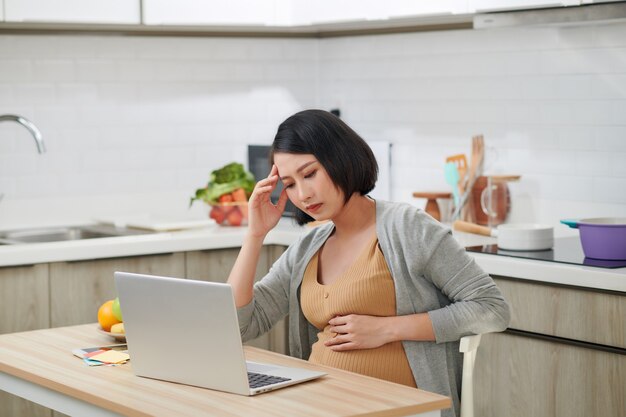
<point x="602" y="238"/>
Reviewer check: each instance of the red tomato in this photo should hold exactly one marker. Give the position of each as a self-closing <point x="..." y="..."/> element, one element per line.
<point x="235" y="217"/>
<point x="217" y="214"/>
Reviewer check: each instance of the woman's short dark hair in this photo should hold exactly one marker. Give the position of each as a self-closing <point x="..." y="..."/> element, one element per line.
<point x="346" y="157"/>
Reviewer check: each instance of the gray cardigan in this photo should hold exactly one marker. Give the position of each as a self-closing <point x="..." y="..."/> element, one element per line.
<point x="432" y="273"/>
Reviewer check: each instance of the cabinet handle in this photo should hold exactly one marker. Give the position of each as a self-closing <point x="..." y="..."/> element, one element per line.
<point x="565" y="341"/>
<point x="120" y="257"/>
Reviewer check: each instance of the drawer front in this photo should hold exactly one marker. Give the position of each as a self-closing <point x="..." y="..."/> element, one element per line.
<point x="579" y="314"/>
<point x="517" y="376"/>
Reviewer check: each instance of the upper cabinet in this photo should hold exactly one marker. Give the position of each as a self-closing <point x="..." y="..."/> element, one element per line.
<point x="290" y="12"/>
<point x="305" y="12"/>
<point x="215" y="12"/>
<point x="73" y="11"/>
<point x="280" y="16"/>
<point x="477" y="6"/>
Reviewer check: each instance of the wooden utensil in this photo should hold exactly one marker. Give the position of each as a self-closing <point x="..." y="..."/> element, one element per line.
<point x="432" y="207"/>
<point x="475" y="170"/>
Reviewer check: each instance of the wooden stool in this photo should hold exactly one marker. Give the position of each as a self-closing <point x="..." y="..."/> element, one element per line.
<point x="432" y="207"/>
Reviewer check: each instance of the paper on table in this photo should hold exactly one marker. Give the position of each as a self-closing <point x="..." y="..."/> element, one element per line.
<point x="109" y="356"/>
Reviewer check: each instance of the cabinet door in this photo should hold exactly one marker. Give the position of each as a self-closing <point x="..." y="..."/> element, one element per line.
<point x="215" y="12"/>
<point x="23" y="306"/>
<point x="24" y="298"/>
<point x="517" y="376"/>
<point x="73" y="11"/>
<point x="77" y="289"/>
<point x="305" y="12"/>
<point x="495" y="5"/>
<point x="571" y="313"/>
<point x="215" y="265"/>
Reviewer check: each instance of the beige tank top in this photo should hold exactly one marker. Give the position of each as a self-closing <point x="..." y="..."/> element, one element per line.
<point x="366" y="287"/>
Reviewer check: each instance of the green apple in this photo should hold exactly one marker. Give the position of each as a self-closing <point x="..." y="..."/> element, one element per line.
<point x="117" y="310"/>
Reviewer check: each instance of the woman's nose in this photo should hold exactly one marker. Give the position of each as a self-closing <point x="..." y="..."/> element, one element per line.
<point x="304" y="193"/>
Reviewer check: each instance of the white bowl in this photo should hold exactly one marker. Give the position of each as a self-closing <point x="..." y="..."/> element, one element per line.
<point x="525" y="236"/>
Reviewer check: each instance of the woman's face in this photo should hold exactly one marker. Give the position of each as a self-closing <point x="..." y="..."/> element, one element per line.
<point x="308" y="185"/>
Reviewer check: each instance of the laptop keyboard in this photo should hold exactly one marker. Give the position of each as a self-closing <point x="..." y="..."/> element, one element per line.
<point x="260" y="380"/>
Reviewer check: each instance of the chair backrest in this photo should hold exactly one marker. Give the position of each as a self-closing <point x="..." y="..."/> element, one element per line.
<point x="468" y="346"/>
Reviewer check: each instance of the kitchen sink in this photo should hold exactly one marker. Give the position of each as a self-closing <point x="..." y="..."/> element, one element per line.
<point x="65" y="233"/>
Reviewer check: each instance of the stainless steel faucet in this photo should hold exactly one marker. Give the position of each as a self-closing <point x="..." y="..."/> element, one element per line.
<point x="41" y="147"/>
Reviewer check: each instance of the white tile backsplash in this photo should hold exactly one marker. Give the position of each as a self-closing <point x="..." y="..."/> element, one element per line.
<point x="549" y="101"/>
<point x="134" y="123"/>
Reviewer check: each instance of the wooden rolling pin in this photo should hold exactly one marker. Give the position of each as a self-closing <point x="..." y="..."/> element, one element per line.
<point x="468" y="227"/>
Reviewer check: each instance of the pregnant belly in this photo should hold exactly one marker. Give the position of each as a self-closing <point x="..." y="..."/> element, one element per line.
<point x="386" y="362"/>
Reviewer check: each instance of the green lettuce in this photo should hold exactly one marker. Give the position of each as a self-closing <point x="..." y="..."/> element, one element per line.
<point x="224" y="181"/>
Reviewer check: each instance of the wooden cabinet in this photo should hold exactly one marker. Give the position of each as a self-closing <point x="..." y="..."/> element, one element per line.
<point x="518" y="376"/>
<point x="567" y="312"/>
<point x="23" y="306"/>
<point x="215" y="265"/>
<point x="564" y="354"/>
<point x="24" y="298"/>
<point x="73" y="11"/>
<point x="77" y="289"/>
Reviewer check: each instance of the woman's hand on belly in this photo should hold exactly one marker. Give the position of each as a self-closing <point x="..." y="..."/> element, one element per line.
<point x="356" y="331"/>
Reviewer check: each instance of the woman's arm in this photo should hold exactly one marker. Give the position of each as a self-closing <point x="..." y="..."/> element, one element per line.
<point x="241" y="277"/>
<point x="477" y="305"/>
<point x="263" y="217"/>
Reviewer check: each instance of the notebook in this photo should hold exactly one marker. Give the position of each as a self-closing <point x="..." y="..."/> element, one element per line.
<point x="187" y="331"/>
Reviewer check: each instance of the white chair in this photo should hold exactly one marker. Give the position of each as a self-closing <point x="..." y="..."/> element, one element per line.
<point x="468" y="346"/>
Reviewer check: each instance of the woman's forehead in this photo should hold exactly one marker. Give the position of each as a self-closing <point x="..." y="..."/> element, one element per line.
<point x="289" y="159"/>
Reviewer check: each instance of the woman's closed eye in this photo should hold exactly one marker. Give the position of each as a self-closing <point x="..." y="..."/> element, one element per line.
<point x="306" y="176"/>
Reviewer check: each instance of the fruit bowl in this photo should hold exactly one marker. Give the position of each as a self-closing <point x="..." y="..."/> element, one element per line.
<point x="117" y="336"/>
<point x="230" y="214"/>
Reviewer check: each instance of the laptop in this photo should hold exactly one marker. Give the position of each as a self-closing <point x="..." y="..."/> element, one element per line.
<point x="187" y="331"/>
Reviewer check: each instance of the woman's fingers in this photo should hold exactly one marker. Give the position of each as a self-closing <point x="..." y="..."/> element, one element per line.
<point x="273" y="170"/>
<point x="282" y="200"/>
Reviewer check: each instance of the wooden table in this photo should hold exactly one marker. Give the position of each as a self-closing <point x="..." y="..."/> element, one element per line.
<point x="63" y="382"/>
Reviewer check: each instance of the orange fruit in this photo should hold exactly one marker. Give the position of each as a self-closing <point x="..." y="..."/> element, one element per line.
<point x="106" y="318"/>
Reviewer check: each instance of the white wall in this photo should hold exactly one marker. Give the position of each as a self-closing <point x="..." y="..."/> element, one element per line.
<point x="551" y="103"/>
<point x="137" y="123"/>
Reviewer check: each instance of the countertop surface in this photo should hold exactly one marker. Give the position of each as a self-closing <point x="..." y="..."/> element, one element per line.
<point x="43" y="359"/>
<point x="217" y="237"/>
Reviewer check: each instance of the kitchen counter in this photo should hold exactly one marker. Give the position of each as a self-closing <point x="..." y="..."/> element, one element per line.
<point x="214" y="237"/>
<point x="285" y="233"/>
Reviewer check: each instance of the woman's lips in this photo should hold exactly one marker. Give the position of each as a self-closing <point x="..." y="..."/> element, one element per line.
<point x="313" y="207"/>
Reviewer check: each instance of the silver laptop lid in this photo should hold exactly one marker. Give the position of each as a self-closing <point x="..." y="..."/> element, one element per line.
<point x="160" y="314"/>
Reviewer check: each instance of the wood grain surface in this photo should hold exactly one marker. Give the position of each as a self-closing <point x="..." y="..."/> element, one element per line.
<point x="44" y="357"/>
